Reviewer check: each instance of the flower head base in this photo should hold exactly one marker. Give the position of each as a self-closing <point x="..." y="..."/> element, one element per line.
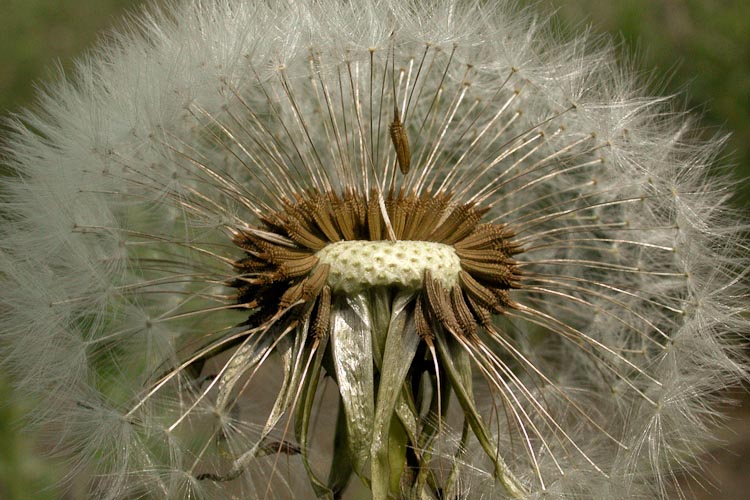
<point x="450" y="272"/>
<point x="346" y="244"/>
<point x="334" y="232"/>
<point x="358" y="265"/>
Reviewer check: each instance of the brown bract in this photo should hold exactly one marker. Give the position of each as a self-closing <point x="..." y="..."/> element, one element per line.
<point x="281" y="277"/>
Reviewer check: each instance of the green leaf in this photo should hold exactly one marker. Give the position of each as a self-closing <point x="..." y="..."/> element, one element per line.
<point x="431" y="429"/>
<point x="400" y="348"/>
<point x="379" y="306"/>
<point x="407" y="414"/>
<point x="351" y="346"/>
<point x="397" y="445"/>
<point x="341" y="465"/>
<point x="311" y="374"/>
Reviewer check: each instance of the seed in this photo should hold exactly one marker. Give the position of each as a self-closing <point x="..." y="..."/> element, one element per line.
<point x="400" y="142"/>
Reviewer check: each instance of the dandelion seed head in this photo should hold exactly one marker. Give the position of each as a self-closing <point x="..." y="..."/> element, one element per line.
<point x="270" y="249"/>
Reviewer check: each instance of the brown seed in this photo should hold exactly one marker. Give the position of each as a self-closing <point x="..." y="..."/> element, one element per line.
<point x="485" y="255"/>
<point x="482" y="314"/>
<point x="475" y="290"/>
<point x="301" y="234"/>
<point x="358" y="207"/>
<point x="420" y="321"/>
<point x="315" y="282"/>
<point x="400" y="142"/>
<point x="292" y="295"/>
<point x="486" y="236"/>
<point x="374" y="219"/>
<point x="463" y="314"/>
<point x="345" y="217"/>
<point x="459" y="224"/>
<point x="440" y="304"/>
<point x="321" y="212"/>
<point x="399" y="210"/>
<point x="322" y="316"/>
<point x="294" y="268"/>
<point x="495" y="273"/>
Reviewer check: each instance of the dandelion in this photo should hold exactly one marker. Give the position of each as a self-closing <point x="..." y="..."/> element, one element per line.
<point x="300" y="249"/>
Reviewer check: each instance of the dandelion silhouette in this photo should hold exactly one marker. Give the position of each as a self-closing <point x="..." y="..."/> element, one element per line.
<point x="289" y="249"/>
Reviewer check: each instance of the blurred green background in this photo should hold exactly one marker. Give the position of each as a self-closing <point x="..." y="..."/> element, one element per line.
<point x="700" y="48"/>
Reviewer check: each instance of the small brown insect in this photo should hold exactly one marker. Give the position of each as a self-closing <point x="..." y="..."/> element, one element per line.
<point x="400" y="142"/>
